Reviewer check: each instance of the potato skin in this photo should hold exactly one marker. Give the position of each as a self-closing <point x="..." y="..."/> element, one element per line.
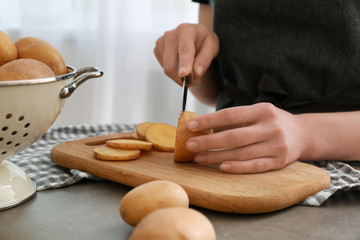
<point x="8" y="51"/>
<point x="174" y="223"/>
<point x="182" y="135"/>
<point x="150" y="196"/>
<point x="34" y="48"/>
<point x="22" y="69"/>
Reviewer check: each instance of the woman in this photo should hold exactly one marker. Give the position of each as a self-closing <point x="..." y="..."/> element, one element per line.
<point x="284" y="76"/>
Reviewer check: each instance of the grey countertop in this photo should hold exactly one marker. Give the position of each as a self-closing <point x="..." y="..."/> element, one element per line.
<point x="89" y="210"/>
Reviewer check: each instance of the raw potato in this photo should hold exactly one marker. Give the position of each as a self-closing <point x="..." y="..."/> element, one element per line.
<point x="150" y="196"/>
<point x="140" y="129"/>
<point x="174" y="223"/>
<point x="134" y="136"/>
<point x="114" y="154"/>
<point x="129" y="144"/>
<point x="8" y="50"/>
<point x="182" y="135"/>
<point x="22" y="69"/>
<point x="34" y="48"/>
<point x="162" y="136"/>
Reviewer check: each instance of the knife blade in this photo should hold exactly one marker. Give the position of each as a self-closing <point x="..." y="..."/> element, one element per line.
<point x="186" y="81"/>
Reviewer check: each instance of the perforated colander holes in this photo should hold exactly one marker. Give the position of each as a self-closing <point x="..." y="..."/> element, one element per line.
<point x="3" y="152"/>
<point x="20" y="119"/>
<point x="10" y="115"/>
<point x="8" y="143"/>
<point x="26" y="125"/>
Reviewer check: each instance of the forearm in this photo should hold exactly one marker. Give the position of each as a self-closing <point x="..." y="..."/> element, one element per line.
<point x="330" y="136"/>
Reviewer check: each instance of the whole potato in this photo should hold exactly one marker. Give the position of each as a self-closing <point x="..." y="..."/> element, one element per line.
<point x="174" y="223"/>
<point x="8" y="50"/>
<point x="34" y="48"/>
<point x="150" y="196"/>
<point x="22" y="69"/>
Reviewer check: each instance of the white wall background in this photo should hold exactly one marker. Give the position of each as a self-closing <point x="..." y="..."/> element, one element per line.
<point x="117" y="36"/>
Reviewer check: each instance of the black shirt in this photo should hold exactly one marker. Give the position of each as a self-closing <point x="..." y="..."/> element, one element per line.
<point x="302" y="56"/>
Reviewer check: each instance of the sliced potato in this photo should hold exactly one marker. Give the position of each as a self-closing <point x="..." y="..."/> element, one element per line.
<point x="134" y="136"/>
<point x="129" y="144"/>
<point x="115" y="154"/>
<point x="162" y="136"/>
<point x="140" y="129"/>
<point x="182" y="135"/>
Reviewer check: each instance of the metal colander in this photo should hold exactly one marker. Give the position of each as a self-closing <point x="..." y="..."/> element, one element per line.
<point x="27" y="110"/>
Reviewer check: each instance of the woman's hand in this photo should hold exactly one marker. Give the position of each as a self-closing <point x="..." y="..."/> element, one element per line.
<point x="185" y="49"/>
<point x="251" y="139"/>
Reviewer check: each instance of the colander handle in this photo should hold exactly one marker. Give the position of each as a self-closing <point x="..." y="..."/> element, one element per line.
<point x="80" y="76"/>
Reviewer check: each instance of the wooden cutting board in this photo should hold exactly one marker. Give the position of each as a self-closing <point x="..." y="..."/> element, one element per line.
<point x="207" y="187"/>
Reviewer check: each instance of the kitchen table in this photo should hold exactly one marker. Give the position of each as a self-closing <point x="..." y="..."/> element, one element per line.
<point x="71" y="204"/>
<point x="89" y="210"/>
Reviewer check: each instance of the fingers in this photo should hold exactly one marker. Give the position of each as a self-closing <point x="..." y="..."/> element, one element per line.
<point x="249" y="159"/>
<point x="209" y="50"/>
<point x="244" y="153"/>
<point x="256" y="138"/>
<point x="252" y="166"/>
<point x="170" y="57"/>
<point x="227" y="139"/>
<point x="185" y="49"/>
<point x="231" y="117"/>
<point x="158" y="50"/>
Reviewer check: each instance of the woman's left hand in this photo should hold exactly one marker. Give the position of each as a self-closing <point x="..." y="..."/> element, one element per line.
<point x="247" y="139"/>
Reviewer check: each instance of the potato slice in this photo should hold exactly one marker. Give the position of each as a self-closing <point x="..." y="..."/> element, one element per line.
<point x="115" y="154"/>
<point x="162" y="136"/>
<point x="134" y="136"/>
<point x="140" y="129"/>
<point x="182" y="135"/>
<point x="129" y="144"/>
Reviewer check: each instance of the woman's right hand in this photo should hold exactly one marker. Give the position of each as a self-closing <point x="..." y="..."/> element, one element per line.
<point x="185" y="49"/>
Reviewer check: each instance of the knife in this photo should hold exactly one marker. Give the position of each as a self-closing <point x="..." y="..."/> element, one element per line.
<point x="186" y="81"/>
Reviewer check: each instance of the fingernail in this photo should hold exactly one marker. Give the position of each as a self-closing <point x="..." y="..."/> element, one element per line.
<point x="192" y="125"/>
<point x="200" y="159"/>
<point x="182" y="71"/>
<point x="225" y="167"/>
<point x="199" y="70"/>
<point x="191" y="145"/>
